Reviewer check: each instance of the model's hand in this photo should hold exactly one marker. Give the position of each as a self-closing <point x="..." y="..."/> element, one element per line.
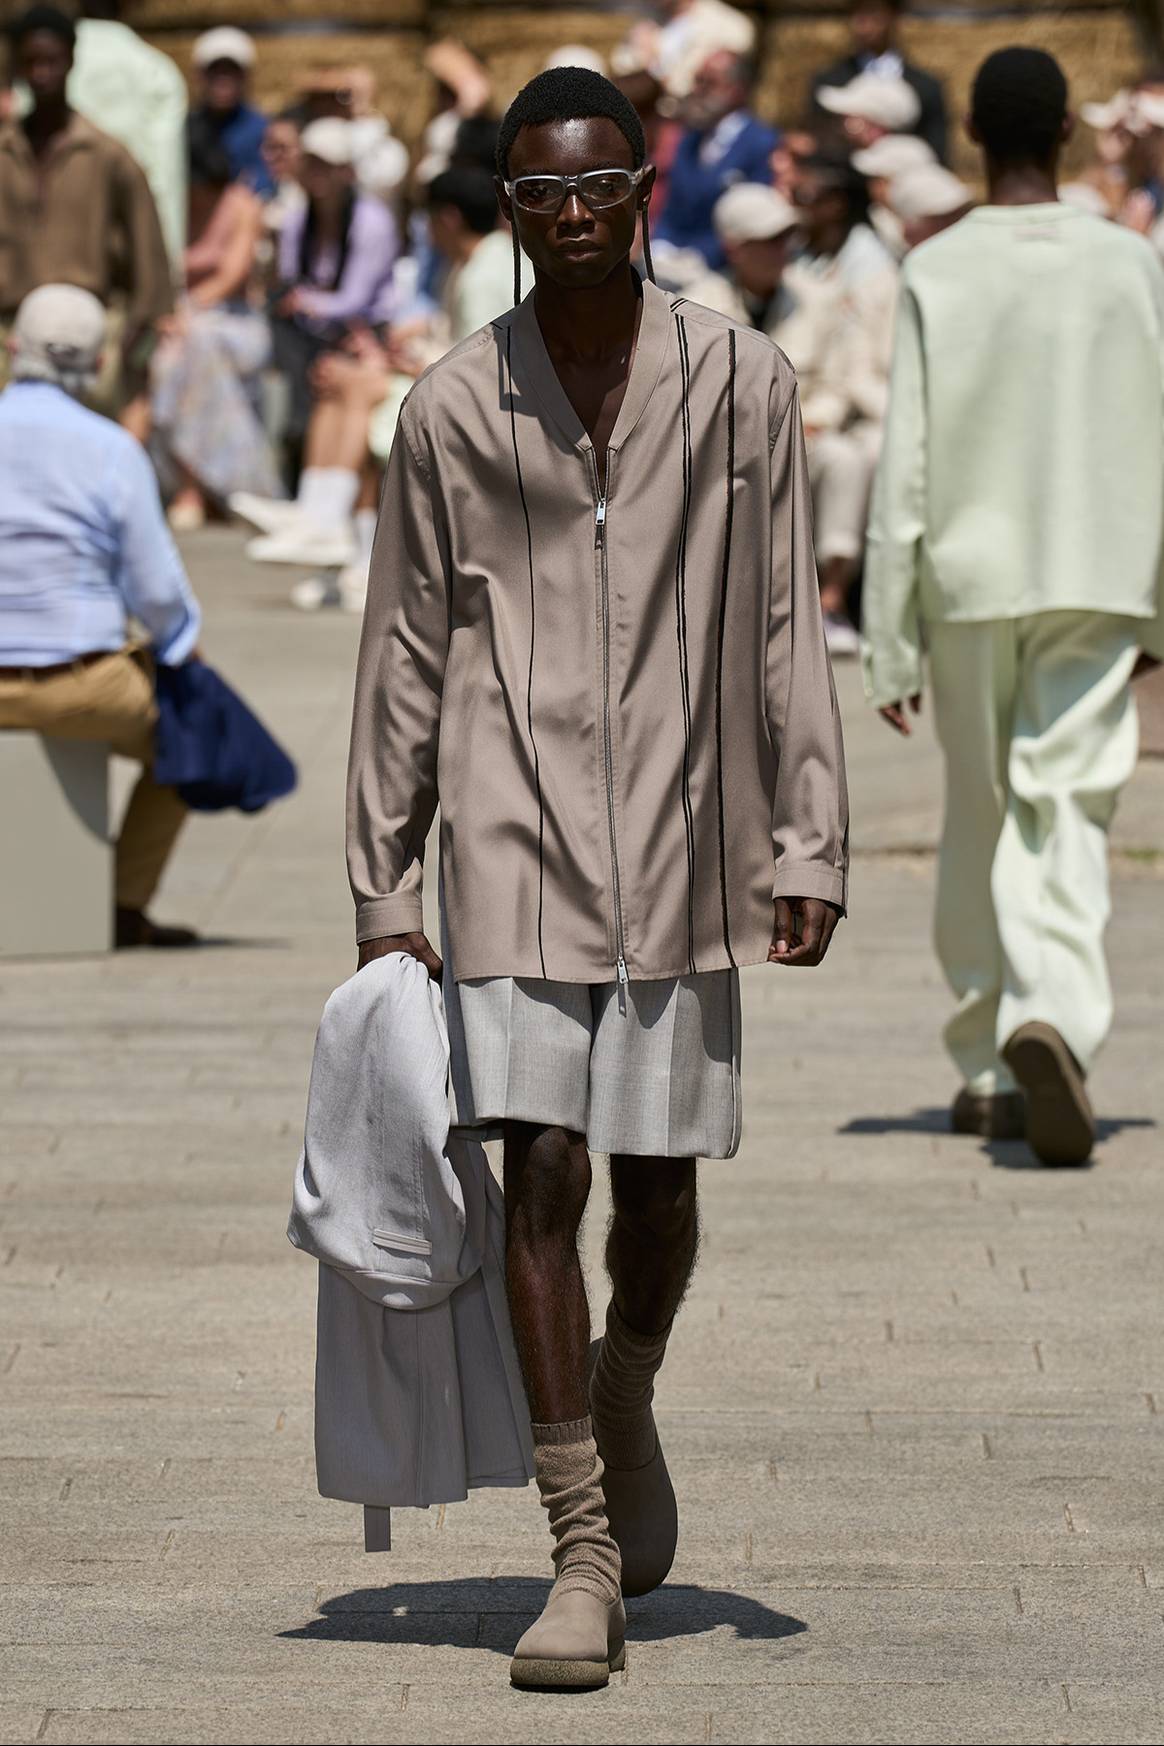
<point x="894" y="713"/>
<point x="416" y="945"/>
<point x="1145" y="663"/>
<point x="804" y="927"/>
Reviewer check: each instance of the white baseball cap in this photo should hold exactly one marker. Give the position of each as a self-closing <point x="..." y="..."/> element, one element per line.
<point x="889" y="103"/>
<point x="225" y="44"/>
<point x="927" y="191"/>
<point x="1116" y="112"/>
<point x="58" y="336"/>
<point x="330" y="138"/>
<point x="893" y="154"/>
<point x="753" y="212"/>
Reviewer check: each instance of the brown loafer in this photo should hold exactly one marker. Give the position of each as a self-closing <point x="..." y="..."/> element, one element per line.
<point x="1001" y="1115"/>
<point x="132" y="927"/>
<point x="641" y="1513"/>
<point x="1060" y="1122"/>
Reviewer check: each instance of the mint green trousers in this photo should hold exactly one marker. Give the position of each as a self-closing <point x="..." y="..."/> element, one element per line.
<point x="1038" y="725"/>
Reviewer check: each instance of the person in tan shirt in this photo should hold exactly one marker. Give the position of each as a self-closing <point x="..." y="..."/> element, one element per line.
<point x="75" y="209"/>
<point x="593" y="634"/>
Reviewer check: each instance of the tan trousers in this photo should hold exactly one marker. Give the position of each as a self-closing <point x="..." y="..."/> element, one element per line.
<point x="110" y="699"/>
<point x="1038" y="725"/>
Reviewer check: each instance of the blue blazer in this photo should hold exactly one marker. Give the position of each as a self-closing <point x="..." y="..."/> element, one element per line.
<point x="694" y="188"/>
<point x="209" y="746"/>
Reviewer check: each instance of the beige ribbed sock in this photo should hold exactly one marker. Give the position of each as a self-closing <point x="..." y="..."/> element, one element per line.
<point x="622" y="1389"/>
<point x="569" y="1476"/>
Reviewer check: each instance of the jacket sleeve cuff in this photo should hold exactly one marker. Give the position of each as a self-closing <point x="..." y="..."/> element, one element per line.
<point x="402" y="913"/>
<point x="813" y="879"/>
<point x="890" y="680"/>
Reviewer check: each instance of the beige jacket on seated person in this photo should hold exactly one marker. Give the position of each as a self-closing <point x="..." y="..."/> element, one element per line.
<point x="619" y="694"/>
<point x="838" y="342"/>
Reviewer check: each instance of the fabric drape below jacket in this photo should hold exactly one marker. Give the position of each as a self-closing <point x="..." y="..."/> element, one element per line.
<point x="418" y="1395"/>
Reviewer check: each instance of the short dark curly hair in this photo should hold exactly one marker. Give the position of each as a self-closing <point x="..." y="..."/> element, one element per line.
<point x="1019" y="105"/>
<point x="49" y="19"/>
<point x="569" y="94"/>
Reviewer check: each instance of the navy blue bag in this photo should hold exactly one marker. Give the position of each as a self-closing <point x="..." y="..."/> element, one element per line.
<point x="211" y="748"/>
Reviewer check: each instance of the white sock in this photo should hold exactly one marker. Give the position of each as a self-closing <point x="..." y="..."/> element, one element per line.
<point x="365" y="534"/>
<point x="327" y="495"/>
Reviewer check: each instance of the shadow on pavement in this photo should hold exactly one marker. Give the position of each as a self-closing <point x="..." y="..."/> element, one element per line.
<point x="1005" y="1154"/>
<point x="485" y="1614"/>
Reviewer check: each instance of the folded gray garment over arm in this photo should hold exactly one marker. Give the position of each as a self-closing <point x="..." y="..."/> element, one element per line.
<point x="418" y="1393"/>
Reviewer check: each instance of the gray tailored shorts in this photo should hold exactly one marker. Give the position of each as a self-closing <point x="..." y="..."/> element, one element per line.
<point x="650" y="1069"/>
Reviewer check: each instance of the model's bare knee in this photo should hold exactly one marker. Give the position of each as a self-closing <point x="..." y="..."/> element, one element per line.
<point x="547" y="1183"/>
<point x="654" y="1198"/>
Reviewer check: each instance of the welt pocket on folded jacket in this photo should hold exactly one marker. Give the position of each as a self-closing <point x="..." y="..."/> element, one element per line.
<point x="397" y="1240"/>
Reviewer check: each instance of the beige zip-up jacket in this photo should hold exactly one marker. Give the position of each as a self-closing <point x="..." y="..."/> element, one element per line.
<point x="622" y="702"/>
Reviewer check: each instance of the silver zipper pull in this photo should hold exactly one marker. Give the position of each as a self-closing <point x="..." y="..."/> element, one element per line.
<point x="599" y="521"/>
<point x="623" y="973"/>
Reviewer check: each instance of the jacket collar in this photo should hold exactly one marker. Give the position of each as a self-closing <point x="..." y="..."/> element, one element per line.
<point x="650" y="351"/>
<point x="79" y="134"/>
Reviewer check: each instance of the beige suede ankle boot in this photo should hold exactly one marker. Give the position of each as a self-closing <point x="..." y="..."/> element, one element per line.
<point x="579" y="1640"/>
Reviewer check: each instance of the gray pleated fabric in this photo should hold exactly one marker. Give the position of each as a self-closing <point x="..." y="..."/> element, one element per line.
<point x="649" y="1068"/>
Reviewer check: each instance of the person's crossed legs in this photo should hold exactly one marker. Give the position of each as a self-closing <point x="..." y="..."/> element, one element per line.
<point x="650" y="1255"/>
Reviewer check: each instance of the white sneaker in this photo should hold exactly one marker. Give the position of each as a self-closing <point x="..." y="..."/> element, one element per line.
<point x="315" y="592"/>
<point x="265" y="513"/>
<point x="306" y="543"/>
<point x="841" y="639"/>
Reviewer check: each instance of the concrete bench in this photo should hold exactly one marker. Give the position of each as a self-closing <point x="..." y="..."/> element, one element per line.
<point x="56" y="860"/>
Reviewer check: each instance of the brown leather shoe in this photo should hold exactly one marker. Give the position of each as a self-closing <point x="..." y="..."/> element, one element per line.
<point x="132" y="927"/>
<point x="641" y="1513"/>
<point x="1000" y="1115"/>
<point x="576" y="1644"/>
<point x="1060" y="1123"/>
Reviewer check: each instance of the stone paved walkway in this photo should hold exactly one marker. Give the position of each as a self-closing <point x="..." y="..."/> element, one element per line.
<point x="914" y="1408"/>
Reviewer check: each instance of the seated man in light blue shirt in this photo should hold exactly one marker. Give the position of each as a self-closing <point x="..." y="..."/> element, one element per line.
<point x="84" y="548"/>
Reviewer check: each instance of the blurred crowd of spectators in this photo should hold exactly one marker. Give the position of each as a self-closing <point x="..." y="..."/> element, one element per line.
<point x="276" y="281"/>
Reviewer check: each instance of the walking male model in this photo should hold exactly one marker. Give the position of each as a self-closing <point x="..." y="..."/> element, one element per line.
<point x="1017" y="530"/>
<point x="593" y="633"/>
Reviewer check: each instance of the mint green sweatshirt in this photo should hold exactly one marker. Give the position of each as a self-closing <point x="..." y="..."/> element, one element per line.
<point x="1023" y="464"/>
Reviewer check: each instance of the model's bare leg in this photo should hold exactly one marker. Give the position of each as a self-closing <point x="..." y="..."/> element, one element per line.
<point x="653" y="1238"/>
<point x="547" y="1181"/>
<point x="650" y="1255"/>
<point x="547" y="1184"/>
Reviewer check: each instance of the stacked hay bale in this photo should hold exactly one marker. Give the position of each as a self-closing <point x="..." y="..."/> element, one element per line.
<point x="1094" y="39"/>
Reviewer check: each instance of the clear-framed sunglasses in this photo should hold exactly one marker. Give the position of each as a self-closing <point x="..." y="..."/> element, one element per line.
<point x="595" y="189"/>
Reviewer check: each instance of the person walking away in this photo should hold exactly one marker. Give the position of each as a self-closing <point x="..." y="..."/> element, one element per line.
<point x="135" y="94"/>
<point x="207" y="433"/>
<point x="876" y="52"/>
<point x="83" y="548"/>
<point x="560" y="645"/>
<point x="1016" y="530"/>
<point x="76" y="209"/>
